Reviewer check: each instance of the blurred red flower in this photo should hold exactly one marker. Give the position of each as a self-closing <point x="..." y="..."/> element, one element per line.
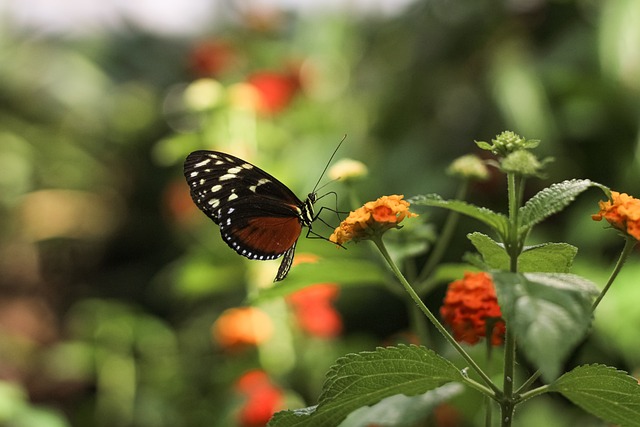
<point x="276" y="89"/>
<point x="468" y="305"/>
<point x="209" y="58"/>
<point x="314" y="311"/>
<point x="263" y="399"/>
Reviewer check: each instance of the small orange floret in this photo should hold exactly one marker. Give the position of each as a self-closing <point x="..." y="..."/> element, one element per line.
<point x="374" y="217"/>
<point x="622" y="212"/>
<point x="468" y="305"/>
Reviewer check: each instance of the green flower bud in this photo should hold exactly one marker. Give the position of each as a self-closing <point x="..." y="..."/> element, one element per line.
<point x="507" y="142"/>
<point x="469" y="167"/>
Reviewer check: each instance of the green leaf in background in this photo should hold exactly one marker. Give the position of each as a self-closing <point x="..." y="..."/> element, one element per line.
<point x="548" y="312"/>
<point x="344" y="271"/>
<point x="603" y="391"/>
<point x="496" y="221"/>
<point x="365" y="378"/>
<point x="401" y="410"/>
<point x="552" y="200"/>
<point x="547" y="258"/>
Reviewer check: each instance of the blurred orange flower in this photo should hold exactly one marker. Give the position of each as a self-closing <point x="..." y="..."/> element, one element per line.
<point x="178" y="203"/>
<point x="263" y="399"/>
<point x="373" y="218"/>
<point x="237" y="327"/>
<point x="468" y="304"/>
<point x="622" y="212"/>
<point x="276" y="89"/>
<point x="314" y="311"/>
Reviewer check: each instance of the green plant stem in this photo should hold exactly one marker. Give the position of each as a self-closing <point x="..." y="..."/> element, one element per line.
<point x="515" y="185"/>
<point x="513" y="246"/>
<point x="528" y="382"/>
<point x="507" y="402"/>
<point x="489" y="349"/>
<point x="629" y="244"/>
<point x="532" y="393"/>
<point x="493" y="391"/>
<point x="444" y="239"/>
<point x="419" y="326"/>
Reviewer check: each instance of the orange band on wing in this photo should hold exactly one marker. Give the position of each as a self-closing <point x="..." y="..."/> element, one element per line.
<point x="269" y="235"/>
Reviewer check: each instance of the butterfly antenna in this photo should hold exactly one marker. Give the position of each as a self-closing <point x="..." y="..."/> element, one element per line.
<point x="315" y="188"/>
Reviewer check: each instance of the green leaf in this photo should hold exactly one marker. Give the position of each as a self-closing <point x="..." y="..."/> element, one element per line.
<point x="484" y="145"/>
<point x="401" y="410"/>
<point x="365" y="378"/>
<point x="548" y="312"/>
<point x="605" y="392"/>
<point x="547" y="258"/>
<point x="552" y="200"/>
<point x="543" y="258"/>
<point x="493" y="253"/>
<point x="496" y="221"/>
<point x="344" y="271"/>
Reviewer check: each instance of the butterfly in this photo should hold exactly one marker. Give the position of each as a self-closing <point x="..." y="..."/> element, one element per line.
<point x="259" y="217"/>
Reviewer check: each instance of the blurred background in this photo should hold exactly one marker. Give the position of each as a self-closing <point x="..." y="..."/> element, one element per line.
<point x="119" y="303"/>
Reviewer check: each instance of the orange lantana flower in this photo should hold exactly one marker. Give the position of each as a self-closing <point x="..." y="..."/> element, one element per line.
<point x="373" y="218"/>
<point x="622" y="212"/>
<point x="468" y="305"/>
<point x="242" y="326"/>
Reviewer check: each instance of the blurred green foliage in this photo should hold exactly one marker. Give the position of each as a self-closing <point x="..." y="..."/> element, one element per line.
<point x="110" y="280"/>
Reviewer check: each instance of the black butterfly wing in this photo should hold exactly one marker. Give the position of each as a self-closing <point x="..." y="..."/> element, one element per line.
<point x="216" y="179"/>
<point x="259" y="217"/>
<point x="258" y="227"/>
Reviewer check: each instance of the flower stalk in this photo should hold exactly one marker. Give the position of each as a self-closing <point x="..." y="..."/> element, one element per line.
<point x="493" y="390"/>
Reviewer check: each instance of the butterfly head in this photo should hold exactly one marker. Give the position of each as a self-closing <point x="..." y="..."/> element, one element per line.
<point x="307" y="215"/>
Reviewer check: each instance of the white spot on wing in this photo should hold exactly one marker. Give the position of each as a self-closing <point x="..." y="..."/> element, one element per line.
<point x="261" y="181"/>
<point x="232" y="196"/>
<point x="202" y="163"/>
<point x="227" y="176"/>
<point x="214" y="203"/>
<point x="234" y="170"/>
<point x="215" y="188"/>
<point x="247" y="166"/>
<point x="194" y="174"/>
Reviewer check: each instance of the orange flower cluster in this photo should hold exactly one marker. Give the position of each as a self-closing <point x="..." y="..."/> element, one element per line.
<point x="468" y="304"/>
<point x="263" y="399"/>
<point x="243" y="326"/>
<point x="314" y="311"/>
<point x="373" y="218"/>
<point x="622" y="212"/>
